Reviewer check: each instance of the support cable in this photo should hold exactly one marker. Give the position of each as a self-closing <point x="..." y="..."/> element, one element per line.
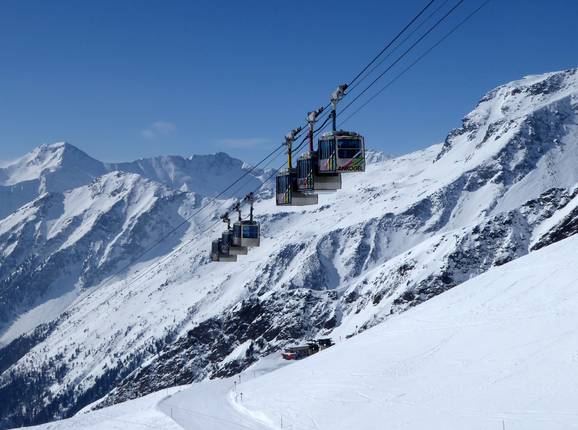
<point x="417" y="60"/>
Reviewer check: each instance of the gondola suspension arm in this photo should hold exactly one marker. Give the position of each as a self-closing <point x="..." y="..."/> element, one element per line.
<point x="311" y="119"/>
<point x="250" y="198"/>
<point x="225" y="218"/>
<point x="336" y="98"/>
<point x="237" y="207"/>
<point x="289" y="139"/>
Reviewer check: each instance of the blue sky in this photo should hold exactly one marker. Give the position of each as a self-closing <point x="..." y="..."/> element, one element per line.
<point x="130" y="79"/>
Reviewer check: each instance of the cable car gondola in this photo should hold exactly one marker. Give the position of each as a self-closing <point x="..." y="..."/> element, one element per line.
<point x="224" y="249"/>
<point x="286" y="187"/>
<point x="228" y="238"/>
<point x="246" y="233"/>
<point x="340" y="151"/>
<point x="220" y="251"/>
<point x="309" y="178"/>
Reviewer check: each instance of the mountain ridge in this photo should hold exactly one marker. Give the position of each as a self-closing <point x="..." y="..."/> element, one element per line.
<point x="61" y="167"/>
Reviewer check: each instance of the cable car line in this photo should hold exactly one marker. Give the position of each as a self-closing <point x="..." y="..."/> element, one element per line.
<point x="188" y="218"/>
<point x="338" y="151"/>
<point x="171" y="255"/>
<point x="319" y="170"/>
<point x="337" y="141"/>
<point x="391" y="43"/>
<point x="387" y="46"/>
<point x="395" y="48"/>
<point x="418" y="59"/>
<point x="407" y="51"/>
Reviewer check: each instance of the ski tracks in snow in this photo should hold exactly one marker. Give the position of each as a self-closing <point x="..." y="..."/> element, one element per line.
<point x="211" y="405"/>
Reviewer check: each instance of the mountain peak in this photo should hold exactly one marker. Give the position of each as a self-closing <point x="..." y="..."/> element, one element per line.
<point x="61" y="166"/>
<point x="218" y="159"/>
<point x="206" y="174"/>
<point x="545" y="83"/>
<point x="62" y="144"/>
<point x="502" y="112"/>
<point x="46" y="160"/>
<point x="56" y="147"/>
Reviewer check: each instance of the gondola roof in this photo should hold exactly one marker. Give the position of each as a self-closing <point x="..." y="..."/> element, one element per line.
<point x="340" y="133"/>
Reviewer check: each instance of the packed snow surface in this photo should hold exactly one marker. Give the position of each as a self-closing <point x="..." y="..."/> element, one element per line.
<point x="141" y="413"/>
<point x="498" y="350"/>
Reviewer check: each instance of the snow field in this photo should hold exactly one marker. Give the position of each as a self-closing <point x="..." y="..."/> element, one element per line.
<point x="497" y="350"/>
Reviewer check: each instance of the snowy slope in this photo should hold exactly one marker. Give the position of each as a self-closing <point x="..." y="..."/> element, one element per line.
<point x="138" y="414"/>
<point x="497" y="349"/>
<point x="62" y="243"/>
<point x="410" y="228"/>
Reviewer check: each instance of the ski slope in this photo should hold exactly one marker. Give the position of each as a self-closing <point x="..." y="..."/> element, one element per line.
<point x="498" y="350"/>
<point x="500" y="347"/>
<point x="140" y="414"/>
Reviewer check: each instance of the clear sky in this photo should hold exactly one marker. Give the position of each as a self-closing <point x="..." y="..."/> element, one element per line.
<point x="130" y="79"/>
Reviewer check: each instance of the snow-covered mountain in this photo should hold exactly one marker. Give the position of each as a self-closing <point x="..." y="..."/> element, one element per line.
<point x="61" y="167"/>
<point x="59" y="205"/>
<point x="501" y="186"/>
<point x="60" y="244"/>
<point x="206" y="174"/>
<point x="49" y="168"/>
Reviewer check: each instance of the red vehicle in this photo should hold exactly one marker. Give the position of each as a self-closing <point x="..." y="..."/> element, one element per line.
<point x="297" y="352"/>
